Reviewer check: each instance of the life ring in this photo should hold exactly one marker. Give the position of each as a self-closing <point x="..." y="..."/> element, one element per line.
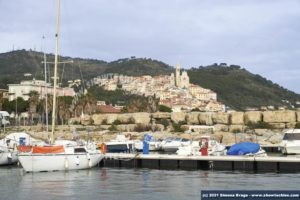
<point x="103" y="148"/>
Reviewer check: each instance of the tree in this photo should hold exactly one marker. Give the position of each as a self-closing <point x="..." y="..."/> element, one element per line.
<point x="33" y="103"/>
<point x="63" y="105"/>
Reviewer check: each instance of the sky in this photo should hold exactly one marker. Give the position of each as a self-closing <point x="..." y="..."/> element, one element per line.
<point x="262" y="36"/>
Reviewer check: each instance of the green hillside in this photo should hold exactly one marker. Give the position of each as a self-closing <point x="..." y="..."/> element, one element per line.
<point x="236" y="87"/>
<point x="239" y="89"/>
<point x="13" y="66"/>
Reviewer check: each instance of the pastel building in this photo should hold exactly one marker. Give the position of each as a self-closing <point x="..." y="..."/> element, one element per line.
<point x="25" y="87"/>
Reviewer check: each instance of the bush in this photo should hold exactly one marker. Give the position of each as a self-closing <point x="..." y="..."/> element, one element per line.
<point x="297" y="125"/>
<point x="236" y="130"/>
<point x="112" y="127"/>
<point x="177" y="126"/>
<point x="117" y="122"/>
<point x="142" y="128"/>
<point x="131" y="120"/>
<point x="104" y="122"/>
<point x="164" y="122"/>
<point x="163" y="108"/>
<point x="263" y="125"/>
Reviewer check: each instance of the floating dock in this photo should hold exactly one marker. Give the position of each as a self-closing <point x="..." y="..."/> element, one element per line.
<point x="226" y="163"/>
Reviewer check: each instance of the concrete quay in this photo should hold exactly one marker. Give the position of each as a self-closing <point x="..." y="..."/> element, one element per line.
<point x="223" y="163"/>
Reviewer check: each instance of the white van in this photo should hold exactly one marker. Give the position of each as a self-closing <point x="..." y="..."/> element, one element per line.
<point x="4" y="118"/>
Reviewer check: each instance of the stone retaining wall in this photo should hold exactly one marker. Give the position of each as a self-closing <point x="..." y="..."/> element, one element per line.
<point x="279" y="119"/>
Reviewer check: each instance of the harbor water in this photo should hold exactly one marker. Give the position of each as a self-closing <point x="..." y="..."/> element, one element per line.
<point x="133" y="184"/>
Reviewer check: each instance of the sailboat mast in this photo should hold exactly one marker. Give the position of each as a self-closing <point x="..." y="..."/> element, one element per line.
<point x="46" y="92"/>
<point x="55" y="72"/>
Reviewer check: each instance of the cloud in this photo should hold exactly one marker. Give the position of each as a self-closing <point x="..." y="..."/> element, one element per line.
<point x="260" y="35"/>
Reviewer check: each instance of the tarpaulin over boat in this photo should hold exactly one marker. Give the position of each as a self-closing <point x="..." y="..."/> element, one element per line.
<point x="48" y="149"/>
<point x="243" y="148"/>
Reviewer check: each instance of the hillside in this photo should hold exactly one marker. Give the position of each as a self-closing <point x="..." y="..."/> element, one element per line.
<point x="239" y="89"/>
<point x="13" y="66"/>
<point x="236" y="87"/>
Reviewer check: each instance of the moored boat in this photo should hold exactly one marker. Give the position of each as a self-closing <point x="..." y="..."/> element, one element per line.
<point x="65" y="156"/>
<point x="291" y="142"/>
<point x="205" y="147"/>
<point x="246" y="148"/>
<point x="171" y="144"/>
<point x="9" y="146"/>
<point x="120" y="144"/>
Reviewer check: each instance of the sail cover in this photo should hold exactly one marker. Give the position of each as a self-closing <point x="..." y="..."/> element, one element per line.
<point x="48" y="149"/>
<point x="243" y="148"/>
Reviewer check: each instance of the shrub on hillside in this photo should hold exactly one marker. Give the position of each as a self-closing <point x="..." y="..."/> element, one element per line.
<point x="258" y="125"/>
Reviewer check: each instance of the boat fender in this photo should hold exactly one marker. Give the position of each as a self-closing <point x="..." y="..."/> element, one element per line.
<point x="66" y="163"/>
<point x="88" y="156"/>
<point x="9" y="155"/>
<point x="77" y="160"/>
<point x="103" y="148"/>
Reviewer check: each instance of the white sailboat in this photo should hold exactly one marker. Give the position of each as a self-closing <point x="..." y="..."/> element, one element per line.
<point x="59" y="155"/>
<point x="9" y="146"/>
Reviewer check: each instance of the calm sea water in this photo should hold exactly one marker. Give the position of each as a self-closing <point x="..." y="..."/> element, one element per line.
<point x="134" y="184"/>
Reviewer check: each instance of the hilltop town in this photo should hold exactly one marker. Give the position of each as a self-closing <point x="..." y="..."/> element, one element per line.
<point x="174" y="91"/>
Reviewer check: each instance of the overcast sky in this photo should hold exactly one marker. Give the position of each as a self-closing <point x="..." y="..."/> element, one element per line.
<point x="262" y="36"/>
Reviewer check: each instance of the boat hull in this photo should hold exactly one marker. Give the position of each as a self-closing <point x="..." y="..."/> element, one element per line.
<point x="118" y="148"/>
<point x="8" y="158"/>
<point x="58" y="162"/>
<point x="290" y="149"/>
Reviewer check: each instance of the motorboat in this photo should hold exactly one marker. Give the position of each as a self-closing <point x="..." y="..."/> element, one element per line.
<point x="171" y="144"/>
<point x="247" y="149"/>
<point x="291" y="142"/>
<point x="154" y="145"/>
<point x="205" y="147"/>
<point x="120" y="144"/>
<point x="9" y="146"/>
<point x="66" y="155"/>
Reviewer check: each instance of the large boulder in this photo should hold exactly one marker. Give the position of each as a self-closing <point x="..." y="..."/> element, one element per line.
<point x="291" y="125"/>
<point x="74" y="120"/>
<point x="141" y="118"/>
<point x="161" y="115"/>
<point x="253" y="116"/>
<point x="205" y="118"/>
<point x="192" y="118"/>
<point x="275" y="139"/>
<point x="178" y="117"/>
<point x="99" y="118"/>
<point x="126" y="118"/>
<point x="221" y="127"/>
<point x="298" y="116"/>
<point x="225" y="137"/>
<point x="86" y="120"/>
<point x="278" y="125"/>
<point x="111" y="118"/>
<point x="220" y="118"/>
<point x="235" y="128"/>
<point x="237" y="118"/>
<point x="126" y="127"/>
<point x="280" y="116"/>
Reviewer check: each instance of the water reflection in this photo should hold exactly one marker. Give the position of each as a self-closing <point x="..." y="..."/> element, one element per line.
<point x="117" y="183"/>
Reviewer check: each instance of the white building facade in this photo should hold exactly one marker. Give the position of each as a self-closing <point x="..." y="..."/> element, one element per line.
<point x="25" y="87"/>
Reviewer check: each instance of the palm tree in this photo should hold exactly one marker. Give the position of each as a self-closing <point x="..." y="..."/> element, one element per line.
<point x="33" y="102"/>
<point x="63" y="104"/>
<point x="1" y="100"/>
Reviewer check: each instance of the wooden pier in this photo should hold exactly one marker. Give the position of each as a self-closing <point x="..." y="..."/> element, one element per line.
<point x="228" y="163"/>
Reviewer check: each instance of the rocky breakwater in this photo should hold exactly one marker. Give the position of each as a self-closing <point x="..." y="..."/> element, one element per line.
<point x="265" y="127"/>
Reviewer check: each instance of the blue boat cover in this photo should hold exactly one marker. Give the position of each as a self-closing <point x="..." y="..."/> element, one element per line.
<point x="243" y="148"/>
